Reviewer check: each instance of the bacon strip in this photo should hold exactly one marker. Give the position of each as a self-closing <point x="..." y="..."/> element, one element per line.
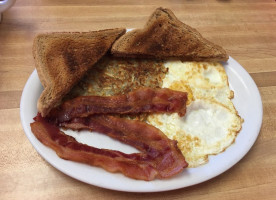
<point x="159" y="157"/>
<point x="143" y="100"/>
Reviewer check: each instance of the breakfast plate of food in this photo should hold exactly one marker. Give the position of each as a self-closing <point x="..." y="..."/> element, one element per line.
<point x="143" y="110"/>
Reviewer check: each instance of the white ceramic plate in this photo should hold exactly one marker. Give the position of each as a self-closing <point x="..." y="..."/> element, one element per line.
<point x="247" y="101"/>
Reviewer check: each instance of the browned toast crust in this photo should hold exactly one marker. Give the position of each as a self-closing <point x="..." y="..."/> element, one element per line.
<point x="61" y="60"/>
<point x="163" y="37"/>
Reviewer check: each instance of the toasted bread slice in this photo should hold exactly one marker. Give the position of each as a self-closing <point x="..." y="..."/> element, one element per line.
<point x="163" y="37"/>
<point x="61" y="60"/>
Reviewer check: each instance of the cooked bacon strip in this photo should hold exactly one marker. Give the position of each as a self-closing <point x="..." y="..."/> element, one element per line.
<point x="143" y="100"/>
<point x="159" y="157"/>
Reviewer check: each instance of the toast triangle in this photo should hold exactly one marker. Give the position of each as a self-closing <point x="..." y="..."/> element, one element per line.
<point x="164" y="37"/>
<point x="61" y="60"/>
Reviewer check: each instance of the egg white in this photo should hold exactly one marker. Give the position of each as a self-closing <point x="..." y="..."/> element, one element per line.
<point x="211" y="122"/>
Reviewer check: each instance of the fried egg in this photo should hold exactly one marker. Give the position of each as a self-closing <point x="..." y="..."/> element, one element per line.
<point x="211" y="123"/>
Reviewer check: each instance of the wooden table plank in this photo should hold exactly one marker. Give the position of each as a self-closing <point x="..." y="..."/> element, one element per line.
<point x="133" y="2"/>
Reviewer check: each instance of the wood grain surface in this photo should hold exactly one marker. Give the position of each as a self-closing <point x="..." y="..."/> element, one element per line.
<point x="246" y="29"/>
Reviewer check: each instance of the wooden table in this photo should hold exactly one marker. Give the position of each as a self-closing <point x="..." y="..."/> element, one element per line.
<point x="246" y="29"/>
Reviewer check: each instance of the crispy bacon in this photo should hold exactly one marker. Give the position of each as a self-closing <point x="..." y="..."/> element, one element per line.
<point x="159" y="157"/>
<point x="143" y="100"/>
